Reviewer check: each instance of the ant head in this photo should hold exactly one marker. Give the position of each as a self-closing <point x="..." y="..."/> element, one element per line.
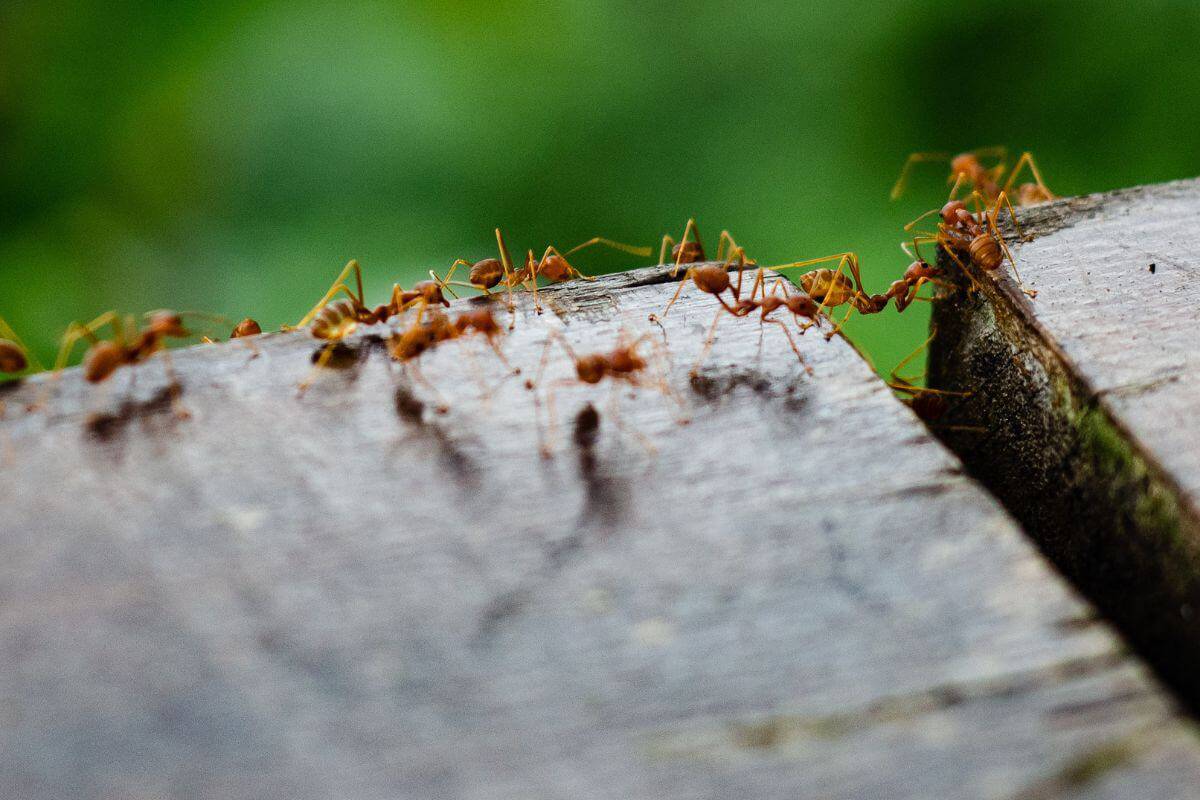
<point x="100" y="361"/>
<point x="917" y="270"/>
<point x="802" y="305"/>
<point x="431" y="292"/>
<point x="12" y="357"/>
<point x="950" y="211"/>
<point x="246" y="327"/>
<point x="168" y="323"/>
<point x="555" y="268"/>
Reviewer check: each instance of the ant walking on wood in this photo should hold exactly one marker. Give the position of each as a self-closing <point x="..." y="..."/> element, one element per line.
<point x="690" y="250"/>
<point x="129" y="345"/>
<point x="961" y="234"/>
<point x="621" y="365"/>
<point x="334" y="320"/>
<point x="553" y="266"/>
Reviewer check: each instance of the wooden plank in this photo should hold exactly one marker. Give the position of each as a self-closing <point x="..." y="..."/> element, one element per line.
<point x="1088" y="400"/>
<point x="343" y="595"/>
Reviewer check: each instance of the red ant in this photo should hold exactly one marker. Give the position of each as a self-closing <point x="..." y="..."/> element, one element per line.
<point x="969" y="167"/>
<point x="906" y="289"/>
<point x="433" y="326"/>
<point x="690" y="250"/>
<point x="622" y="364"/>
<point x="334" y="320"/>
<point x="14" y="355"/>
<point x="553" y="266"/>
<point x="928" y="404"/>
<point x="797" y="302"/>
<point x="130" y="345"/>
<point x="961" y="234"/>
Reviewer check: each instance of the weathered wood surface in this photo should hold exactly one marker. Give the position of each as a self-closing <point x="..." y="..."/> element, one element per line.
<point x="1089" y="401"/>
<point x="343" y="596"/>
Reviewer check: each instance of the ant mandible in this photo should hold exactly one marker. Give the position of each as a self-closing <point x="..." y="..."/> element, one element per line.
<point x="969" y="167"/>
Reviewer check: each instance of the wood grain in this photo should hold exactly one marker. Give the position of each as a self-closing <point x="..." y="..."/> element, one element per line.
<point x="349" y="595"/>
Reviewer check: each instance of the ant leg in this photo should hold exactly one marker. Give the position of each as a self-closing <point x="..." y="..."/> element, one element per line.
<point x="667" y="244"/>
<point x="1026" y="160"/>
<point x="783" y="327"/>
<point x="506" y="265"/>
<point x="689" y="229"/>
<point x="614" y="414"/>
<point x="942" y="240"/>
<point x="913" y="160"/>
<point x="339" y="285"/>
<point x="928" y="213"/>
<point x="625" y="248"/>
<point x="687" y="276"/>
<point x="995" y="231"/>
<point x="726" y="244"/>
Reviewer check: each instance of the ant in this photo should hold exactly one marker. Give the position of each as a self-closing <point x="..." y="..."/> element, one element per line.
<point x="129" y="345"/>
<point x="334" y="320"/>
<point x="905" y="289"/>
<point x="553" y="266"/>
<point x="831" y="288"/>
<point x="14" y="355"/>
<point x="961" y="233"/>
<point x="621" y="364"/>
<point x="433" y="326"/>
<point x="690" y="250"/>
<point x="928" y="404"/>
<point x="969" y="167"/>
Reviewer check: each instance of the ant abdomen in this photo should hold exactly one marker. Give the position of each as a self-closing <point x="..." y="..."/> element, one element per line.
<point x="687" y="252"/>
<point x="101" y="360"/>
<point x="486" y="273"/>
<point x="12" y="357"/>
<point x="711" y="279"/>
<point x="985" y="251"/>
<point x="335" y="321"/>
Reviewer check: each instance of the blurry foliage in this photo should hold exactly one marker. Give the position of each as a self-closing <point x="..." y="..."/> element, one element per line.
<point x="232" y="156"/>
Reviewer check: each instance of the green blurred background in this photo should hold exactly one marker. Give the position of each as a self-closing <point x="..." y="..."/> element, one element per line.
<point x="231" y="156"/>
